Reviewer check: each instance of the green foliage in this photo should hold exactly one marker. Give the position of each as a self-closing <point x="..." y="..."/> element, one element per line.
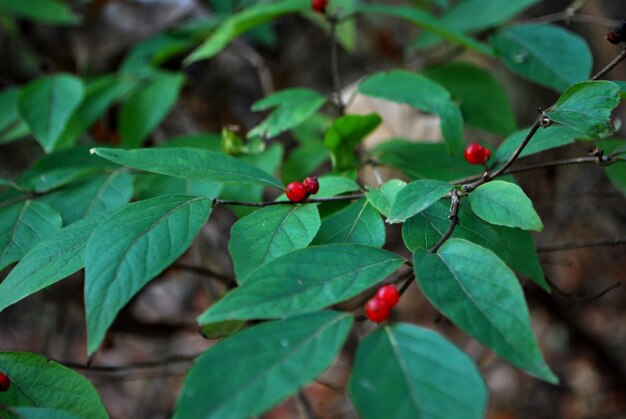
<point x="45" y="11"/>
<point x="344" y="136"/>
<point x="472" y="287"/>
<point x="39" y="382"/>
<point x="357" y="223"/>
<point x="402" y="364"/>
<point x="415" y="197"/>
<point x="422" y="94"/>
<point x="383" y="198"/>
<point x="544" y="139"/>
<point x="529" y="51"/>
<point x="260" y="366"/>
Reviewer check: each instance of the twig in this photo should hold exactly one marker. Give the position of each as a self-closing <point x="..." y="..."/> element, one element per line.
<point x="610" y="66"/>
<point x="454" y="220"/>
<point x="611" y="242"/>
<point x="573" y="297"/>
<point x="334" y="64"/>
<point x="224" y="279"/>
<point x="304" y="403"/>
<point x="218" y="202"/>
<point x="161" y="363"/>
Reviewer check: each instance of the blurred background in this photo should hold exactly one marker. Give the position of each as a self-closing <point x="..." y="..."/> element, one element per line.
<point x="139" y="370"/>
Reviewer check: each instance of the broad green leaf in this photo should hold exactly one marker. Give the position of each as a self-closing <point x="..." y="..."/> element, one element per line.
<point x="99" y="96"/>
<point x="242" y="22"/>
<point x="190" y="163"/>
<point x="484" y="14"/>
<point x="617" y="171"/>
<point x="421" y="93"/>
<point x="62" y="167"/>
<point x="130" y="248"/>
<point x="38" y="413"/>
<point x="23" y="225"/>
<point x="405" y="371"/>
<point x="47" y="104"/>
<point x="149" y="185"/>
<point x="269" y="233"/>
<point x="415" y="197"/>
<point x="423" y="160"/>
<point x="304" y="281"/>
<point x="545" y="54"/>
<point x="9" y="115"/>
<point x="428" y="22"/>
<point x="514" y="246"/>
<point x="504" y="203"/>
<point x="292" y="107"/>
<point x="482" y="100"/>
<point x="221" y="329"/>
<point x="383" y="197"/>
<point x="91" y="195"/>
<point x="472" y="287"/>
<point x="147" y="108"/>
<point x="49" y="261"/>
<point x="40" y="382"/>
<point x="344" y="135"/>
<point x="259" y="367"/>
<point x="357" y="223"/>
<point x="544" y="139"/>
<point x="335" y="185"/>
<point x="45" y="11"/>
<point x="586" y="107"/>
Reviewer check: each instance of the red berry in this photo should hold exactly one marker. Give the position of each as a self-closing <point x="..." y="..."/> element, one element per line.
<point x="296" y="192"/>
<point x="614" y="37"/>
<point x="5" y="383"/>
<point x="318" y="5"/>
<point x="389" y="294"/>
<point x="476" y="154"/>
<point x="377" y="310"/>
<point x="311" y="184"/>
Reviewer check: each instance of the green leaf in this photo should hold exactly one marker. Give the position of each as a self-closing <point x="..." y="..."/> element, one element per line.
<point x="428" y="22"/>
<point x="130" y="248"/>
<point x="335" y="185"/>
<point x="423" y="160"/>
<point x="242" y="22"/>
<point x="545" y="54"/>
<point x="357" y="223"/>
<point x="9" y="115"/>
<point x="303" y="160"/>
<point x="47" y="104"/>
<point x="504" y="203"/>
<point x="293" y="106"/>
<point x="544" y="139"/>
<point x="269" y="233"/>
<point x="100" y="94"/>
<point x="304" y="281"/>
<point x="190" y="163"/>
<point x="405" y="371"/>
<point x="514" y="246"/>
<point x="39" y="413"/>
<point x="149" y="185"/>
<point x="472" y="287"/>
<point x="415" y="197"/>
<point x="586" y="107"/>
<point x="383" y="197"/>
<point x="147" y="108"/>
<point x="39" y="382"/>
<point x="259" y="367"/>
<point x="421" y="93"/>
<point x="484" y="14"/>
<point x="616" y="172"/>
<point x="45" y="11"/>
<point x="23" y="225"/>
<point x="482" y="99"/>
<point x="221" y="329"/>
<point x="344" y="135"/>
<point x="91" y="195"/>
<point x="49" y="261"/>
<point x="62" y="167"/>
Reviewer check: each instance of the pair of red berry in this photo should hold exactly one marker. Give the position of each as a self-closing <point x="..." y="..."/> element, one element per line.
<point x="618" y="34"/>
<point x="379" y="307"/>
<point x="5" y="383"/>
<point x="319" y="5"/>
<point x="298" y="192"/>
<point x="477" y="154"/>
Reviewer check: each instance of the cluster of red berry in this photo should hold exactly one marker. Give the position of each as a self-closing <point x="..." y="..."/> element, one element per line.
<point x="5" y="383"/>
<point x="379" y="307"/>
<point x="299" y="191"/>
<point x="618" y="34"/>
<point x="477" y="154"/>
<point x="318" y="6"/>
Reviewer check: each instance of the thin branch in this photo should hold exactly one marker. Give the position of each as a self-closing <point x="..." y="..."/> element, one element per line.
<point x="224" y="279"/>
<point x="334" y="64"/>
<point x="610" y="242"/>
<point x="161" y="363"/>
<point x="610" y="66"/>
<point x="578" y="298"/>
<point x="454" y="220"/>
<point x="305" y="405"/>
<point x="352" y="197"/>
